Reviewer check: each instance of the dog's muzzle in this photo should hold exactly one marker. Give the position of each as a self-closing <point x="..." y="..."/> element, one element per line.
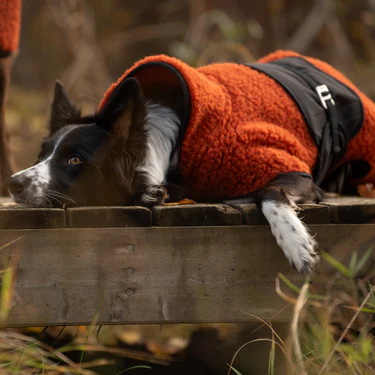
<point x="16" y="184"/>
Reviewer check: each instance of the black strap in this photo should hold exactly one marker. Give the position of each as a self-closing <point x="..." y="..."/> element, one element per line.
<point x="329" y="105"/>
<point x="302" y="174"/>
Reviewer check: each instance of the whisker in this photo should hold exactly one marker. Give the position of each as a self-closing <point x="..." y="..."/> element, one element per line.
<point x="55" y="193"/>
<point x="61" y="196"/>
<point x="50" y="203"/>
<point x="46" y="195"/>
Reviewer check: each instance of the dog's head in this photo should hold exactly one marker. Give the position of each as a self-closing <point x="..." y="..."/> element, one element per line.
<point x="87" y="160"/>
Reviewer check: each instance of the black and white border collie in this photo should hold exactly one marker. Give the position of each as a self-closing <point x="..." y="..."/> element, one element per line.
<point x="127" y="153"/>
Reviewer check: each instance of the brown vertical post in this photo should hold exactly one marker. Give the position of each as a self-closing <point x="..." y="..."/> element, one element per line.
<point x="10" y="19"/>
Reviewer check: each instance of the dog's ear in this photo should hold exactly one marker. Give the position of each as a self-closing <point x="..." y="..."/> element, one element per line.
<point x="63" y="110"/>
<point x="124" y="112"/>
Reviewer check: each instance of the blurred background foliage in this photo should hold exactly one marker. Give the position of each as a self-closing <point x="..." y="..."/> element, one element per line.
<point x="87" y="44"/>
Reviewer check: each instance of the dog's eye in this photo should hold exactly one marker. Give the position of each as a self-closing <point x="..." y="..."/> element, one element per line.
<point x="74" y="160"/>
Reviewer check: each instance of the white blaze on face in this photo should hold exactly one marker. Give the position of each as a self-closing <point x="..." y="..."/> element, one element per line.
<point x="39" y="176"/>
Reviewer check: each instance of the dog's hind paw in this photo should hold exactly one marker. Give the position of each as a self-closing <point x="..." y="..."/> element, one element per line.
<point x="302" y="256"/>
<point x="154" y="195"/>
<point x="292" y="236"/>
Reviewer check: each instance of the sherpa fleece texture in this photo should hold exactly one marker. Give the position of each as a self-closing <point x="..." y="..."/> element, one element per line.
<point x="10" y="20"/>
<point x="245" y="129"/>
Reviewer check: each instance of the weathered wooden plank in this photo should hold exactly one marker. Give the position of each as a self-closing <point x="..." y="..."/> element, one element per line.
<point x="344" y="210"/>
<point x="250" y="214"/>
<point x="108" y="217"/>
<point x="310" y="213"/>
<point x="29" y="218"/>
<point x="196" y="215"/>
<point x="158" y="275"/>
<point x="351" y="210"/>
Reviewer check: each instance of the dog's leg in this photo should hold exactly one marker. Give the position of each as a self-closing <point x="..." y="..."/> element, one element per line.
<point x="162" y="126"/>
<point x="277" y="201"/>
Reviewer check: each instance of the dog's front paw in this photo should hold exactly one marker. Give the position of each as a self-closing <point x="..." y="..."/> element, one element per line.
<point x="154" y="195"/>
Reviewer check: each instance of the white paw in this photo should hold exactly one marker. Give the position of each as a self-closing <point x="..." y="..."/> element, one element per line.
<point x="154" y="195"/>
<point x="291" y="235"/>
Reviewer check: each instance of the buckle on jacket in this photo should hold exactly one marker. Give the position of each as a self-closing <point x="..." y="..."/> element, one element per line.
<point x="324" y="95"/>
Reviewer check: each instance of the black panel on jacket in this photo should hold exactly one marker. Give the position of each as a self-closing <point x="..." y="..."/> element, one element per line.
<point x="331" y="128"/>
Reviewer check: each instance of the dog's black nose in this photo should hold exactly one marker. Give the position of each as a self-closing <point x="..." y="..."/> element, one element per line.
<point x="16" y="184"/>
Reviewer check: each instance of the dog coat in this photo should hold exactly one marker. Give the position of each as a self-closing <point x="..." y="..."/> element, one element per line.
<point x="10" y="20"/>
<point x="245" y="124"/>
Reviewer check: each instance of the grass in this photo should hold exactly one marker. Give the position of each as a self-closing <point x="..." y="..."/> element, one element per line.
<point x="21" y="354"/>
<point x="329" y="334"/>
<point x="89" y="331"/>
<point x="7" y="280"/>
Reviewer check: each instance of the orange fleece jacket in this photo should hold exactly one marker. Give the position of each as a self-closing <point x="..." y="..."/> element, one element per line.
<point x="244" y="128"/>
<point x="10" y="20"/>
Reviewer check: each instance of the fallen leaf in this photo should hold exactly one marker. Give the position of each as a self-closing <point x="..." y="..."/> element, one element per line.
<point x="366" y="190"/>
<point x="184" y="201"/>
<point x="8" y="204"/>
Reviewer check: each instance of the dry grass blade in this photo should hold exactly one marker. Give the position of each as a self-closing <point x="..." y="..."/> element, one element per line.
<point x="234" y="370"/>
<point x="251" y="342"/>
<point x="271" y="357"/>
<point x="6" y="293"/>
<point x="165" y="360"/>
<point x="11" y="243"/>
<point x="22" y="338"/>
<point x="334" y="349"/>
<point x="268" y="324"/>
<point x="301" y="301"/>
<point x="32" y="356"/>
<point x="8" y="282"/>
<point x="284" y="296"/>
<point x="281" y="345"/>
<point x="293" y="300"/>
<point x="95" y="319"/>
<point x="265" y="322"/>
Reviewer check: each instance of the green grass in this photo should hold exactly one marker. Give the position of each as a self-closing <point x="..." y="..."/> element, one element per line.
<point x="330" y="334"/>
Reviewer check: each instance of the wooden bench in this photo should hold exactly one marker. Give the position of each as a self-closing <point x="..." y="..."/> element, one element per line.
<point x="176" y="264"/>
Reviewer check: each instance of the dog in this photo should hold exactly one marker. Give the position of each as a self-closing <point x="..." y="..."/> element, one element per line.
<point x="225" y="132"/>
